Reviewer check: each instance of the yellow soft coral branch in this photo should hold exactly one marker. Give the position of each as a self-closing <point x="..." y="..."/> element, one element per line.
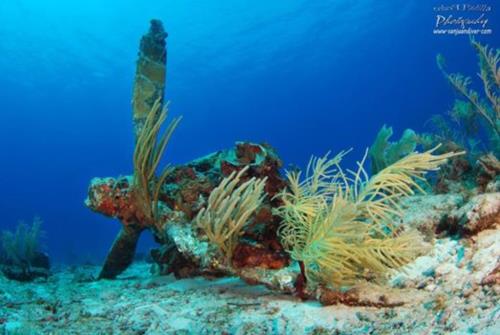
<point x="229" y="209"/>
<point x="340" y="223"/>
<point x="148" y="152"/>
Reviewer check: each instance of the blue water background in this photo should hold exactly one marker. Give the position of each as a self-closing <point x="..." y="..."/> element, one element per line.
<point x="305" y="76"/>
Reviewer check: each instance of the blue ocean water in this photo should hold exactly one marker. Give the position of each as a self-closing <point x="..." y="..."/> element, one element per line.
<point x="305" y="76"/>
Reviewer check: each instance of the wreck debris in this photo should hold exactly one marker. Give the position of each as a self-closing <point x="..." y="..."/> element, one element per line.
<point x="149" y="83"/>
<point x="251" y="256"/>
<point x="141" y="207"/>
<point x="122" y="252"/>
<point x="180" y="208"/>
<point x="183" y="194"/>
<point x="111" y="197"/>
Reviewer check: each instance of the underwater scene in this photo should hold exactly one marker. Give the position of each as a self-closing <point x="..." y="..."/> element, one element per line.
<point x="244" y="167"/>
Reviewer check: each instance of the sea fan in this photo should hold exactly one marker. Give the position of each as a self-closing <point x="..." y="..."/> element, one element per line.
<point x="340" y="223"/>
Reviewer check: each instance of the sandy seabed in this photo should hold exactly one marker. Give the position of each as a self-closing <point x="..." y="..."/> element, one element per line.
<point x="445" y="293"/>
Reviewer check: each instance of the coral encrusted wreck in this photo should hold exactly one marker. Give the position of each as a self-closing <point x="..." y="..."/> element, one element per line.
<point x="329" y="233"/>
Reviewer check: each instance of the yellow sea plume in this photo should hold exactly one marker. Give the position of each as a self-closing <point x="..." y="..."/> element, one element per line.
<point x="229" y="209"/>
<point x="149" y="150"/>
<point x="340" y="223"/>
